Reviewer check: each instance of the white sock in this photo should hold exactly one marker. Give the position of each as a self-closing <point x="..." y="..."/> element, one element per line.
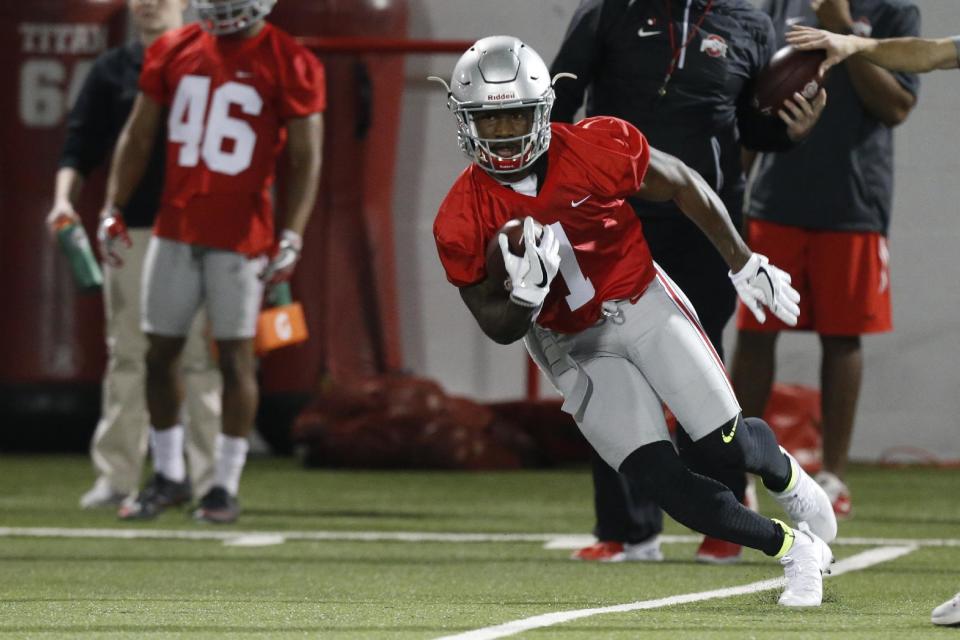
<point x="167" y="446"/>
<point x="230" y="457"/>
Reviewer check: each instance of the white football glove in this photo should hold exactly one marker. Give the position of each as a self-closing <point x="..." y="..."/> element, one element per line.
<point x="531" y="274"/>
<point x="111" y="235"/>
<point x="284" y="258"/>
<point x="760" y="284"/>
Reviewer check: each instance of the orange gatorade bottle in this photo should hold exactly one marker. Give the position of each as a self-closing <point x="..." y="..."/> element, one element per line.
<point x="282" y="324"/>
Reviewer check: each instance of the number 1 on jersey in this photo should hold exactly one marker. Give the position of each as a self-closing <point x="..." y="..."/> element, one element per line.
<point x="580" y="287"/>
<point x="198" y="139"/>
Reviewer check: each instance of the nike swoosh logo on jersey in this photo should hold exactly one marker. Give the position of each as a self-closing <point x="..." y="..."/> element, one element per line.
<point x="728" y="438"/>
<point x="643" y="33"/>
<point x="794" y="20"/>
<point x="580" y="202"/>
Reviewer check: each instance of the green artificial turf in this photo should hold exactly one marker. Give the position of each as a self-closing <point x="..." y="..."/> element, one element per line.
<point x="139" y="588"/>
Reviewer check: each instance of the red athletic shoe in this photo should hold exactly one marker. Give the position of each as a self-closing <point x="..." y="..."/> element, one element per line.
<point x="602" y="551"/>
<point x="610" y="551"/>
<point x="838" y="492"/>
<point x="717" y="551"/>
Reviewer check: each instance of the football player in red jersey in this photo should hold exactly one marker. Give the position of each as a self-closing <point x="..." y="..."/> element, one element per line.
<point x="613" y="334"/>
<point x="234" y="90"/>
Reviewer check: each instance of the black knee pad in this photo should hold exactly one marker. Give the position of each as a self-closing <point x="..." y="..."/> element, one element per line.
<point x="726" y="471"/>
<point x="742" y="445"/>
<point x="726" y="448"/>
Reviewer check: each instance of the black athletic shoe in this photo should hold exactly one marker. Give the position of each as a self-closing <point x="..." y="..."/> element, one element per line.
<point x="218" y="507"/>
<point x="159" y="493"/>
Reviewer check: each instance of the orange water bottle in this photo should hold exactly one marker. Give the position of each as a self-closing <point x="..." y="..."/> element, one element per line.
<point x="76" y="247"/>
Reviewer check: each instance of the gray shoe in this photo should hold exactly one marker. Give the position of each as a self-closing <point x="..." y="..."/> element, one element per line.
<point x="101" y="494"/>
<point x="218" y="507"/>
<point x="158" y="494"/>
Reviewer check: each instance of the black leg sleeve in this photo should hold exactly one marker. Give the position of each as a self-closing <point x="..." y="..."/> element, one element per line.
<point x="696" y="501"/>
<point x="622" y="515"/>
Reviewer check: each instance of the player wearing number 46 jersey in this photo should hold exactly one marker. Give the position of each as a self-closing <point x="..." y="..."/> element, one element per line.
<point x="236" y="91"/>
<point x="615" y="336"/>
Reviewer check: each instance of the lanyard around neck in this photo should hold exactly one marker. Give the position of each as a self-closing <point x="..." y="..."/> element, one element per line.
<point x="675" y="51"/>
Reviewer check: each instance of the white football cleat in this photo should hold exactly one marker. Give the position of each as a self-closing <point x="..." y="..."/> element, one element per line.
<point x="804" y="565"/>
<point x="646" y="551"/>
<point x="614" y="551"/>
<point x="948" y="613"/>
<point x="807" y="502"/>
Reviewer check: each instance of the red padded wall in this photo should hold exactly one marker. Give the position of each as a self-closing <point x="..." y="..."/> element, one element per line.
<point x="48" y="332"/>
<point x="346" y="277"/>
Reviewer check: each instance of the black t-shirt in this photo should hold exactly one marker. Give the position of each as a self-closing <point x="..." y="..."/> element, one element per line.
<point x="97" y="118"/>
<point x="841" y="177"/>
<point x="621" y="51"/>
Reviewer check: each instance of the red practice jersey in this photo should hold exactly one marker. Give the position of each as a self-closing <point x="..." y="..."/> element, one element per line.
<point x="591" y="167"/>
<point x="228" y="99"/>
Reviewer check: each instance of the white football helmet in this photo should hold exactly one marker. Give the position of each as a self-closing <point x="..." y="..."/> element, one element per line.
<point x="223" y="17"/>
<point x="501" y="72"/>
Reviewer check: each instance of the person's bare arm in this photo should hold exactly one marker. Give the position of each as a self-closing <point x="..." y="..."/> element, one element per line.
<point x="668" y="178"/>
<point x="499" y="318"/>
<point x="907" y="55"/>
<point x="304" y="154"/>
<point x="132" y="154"/>
<point x="758" y="283"/>
<point x="304" y="151"/>
<point x="913" y="55"/>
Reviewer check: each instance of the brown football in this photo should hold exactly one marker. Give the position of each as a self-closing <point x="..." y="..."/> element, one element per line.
<point x="513" y="229"/>
<point x="790" y="71"/>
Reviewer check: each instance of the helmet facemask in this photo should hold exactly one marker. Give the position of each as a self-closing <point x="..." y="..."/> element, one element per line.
<point x="481" y="150"/>
<point x="230" y="16"/>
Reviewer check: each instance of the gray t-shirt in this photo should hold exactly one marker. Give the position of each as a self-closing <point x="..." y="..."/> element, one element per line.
<point x="841" y="177"/>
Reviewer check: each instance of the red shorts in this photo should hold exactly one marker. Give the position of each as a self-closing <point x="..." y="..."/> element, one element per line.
<point x="843" y="278"/>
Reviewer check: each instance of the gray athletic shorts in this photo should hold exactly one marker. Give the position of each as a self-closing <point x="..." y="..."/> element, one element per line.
<point x="178" y="278"/>
<point x="616" y="376"/>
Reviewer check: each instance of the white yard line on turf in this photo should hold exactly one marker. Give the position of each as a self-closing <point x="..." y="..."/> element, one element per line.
<point x="549" y="539"/>
<point x="579" y="541"/>
<point x="853" y="563"/>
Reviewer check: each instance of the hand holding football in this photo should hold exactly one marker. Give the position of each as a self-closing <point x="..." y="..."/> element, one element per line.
<point x="513" y="229"/>
<point x="790" y="71"/>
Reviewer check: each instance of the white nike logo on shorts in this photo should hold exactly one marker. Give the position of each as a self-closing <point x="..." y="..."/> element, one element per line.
<point x="643" y="33"/>
<point x="577" y="203"/>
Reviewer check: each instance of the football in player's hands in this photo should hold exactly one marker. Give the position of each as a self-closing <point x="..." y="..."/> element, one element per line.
<point x="790" y="71"/>
<point x="513" y="229"/>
